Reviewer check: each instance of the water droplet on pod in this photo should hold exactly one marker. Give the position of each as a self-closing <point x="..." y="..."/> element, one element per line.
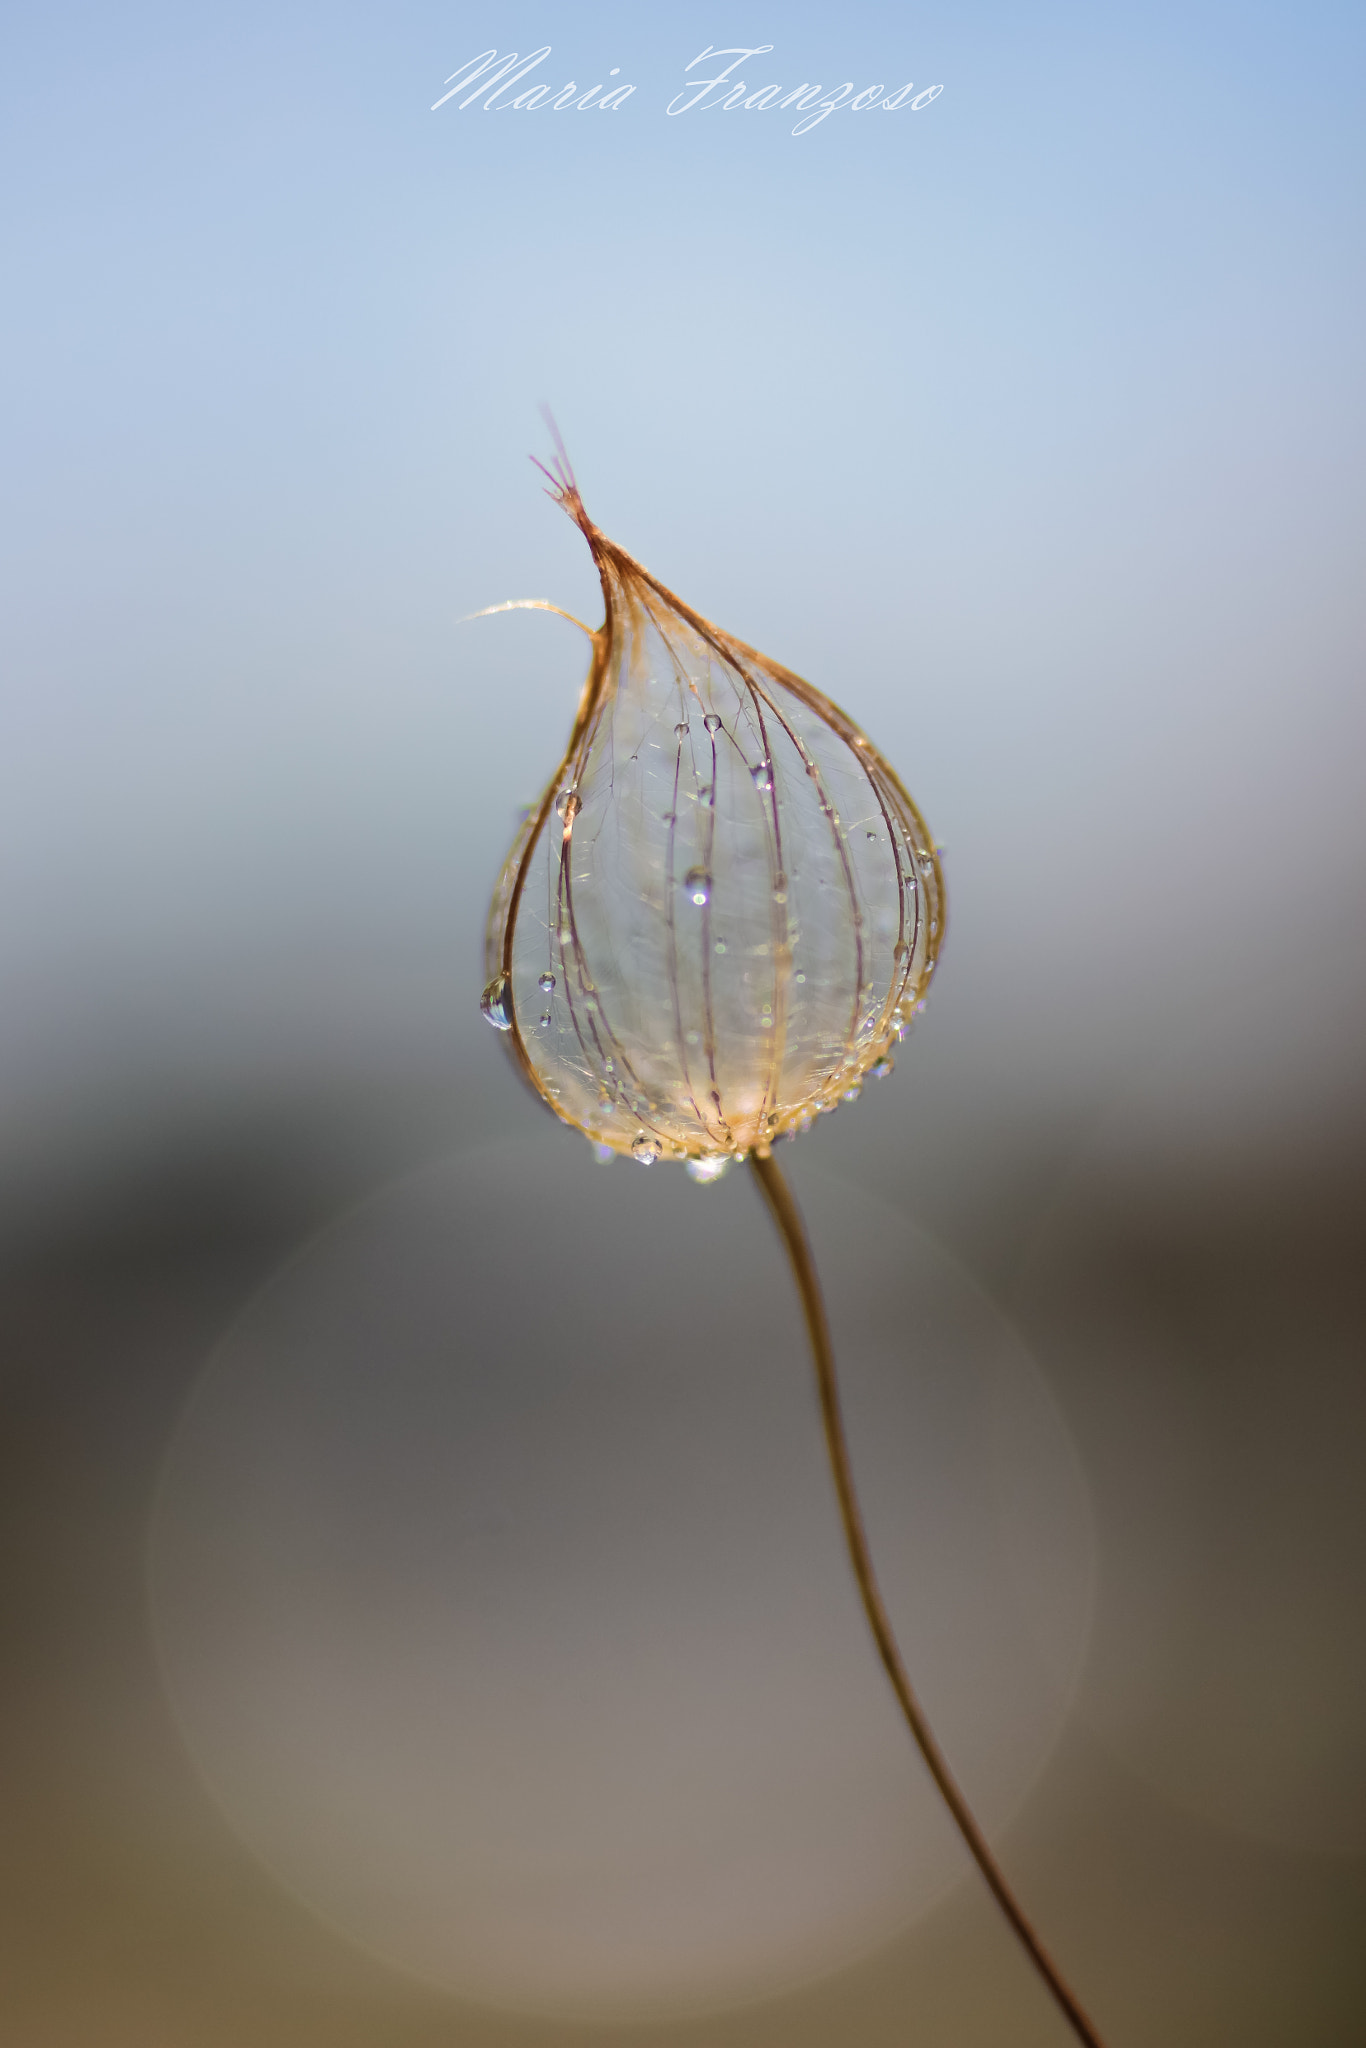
<point x="547" y="981"/>
<point x="646" y="1149"/>
<point x="761" y="776"/>
<point x="883" y="1066"/>
<point x="496" y="1003"/>
<point x="681" y="730"/>
<point x="712" y="722"/>
<point x="712" y="1166"/>
<point x="697" y="883"/>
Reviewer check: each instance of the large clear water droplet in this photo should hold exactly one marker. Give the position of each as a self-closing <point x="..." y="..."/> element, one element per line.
<point x="547" y="981"/>
<point x="496" y="1003"/>
<point x="568" y="805"/>
<point x="712" y="722"/>
<point x="761" y="775"/>
<point x="646" y="1149"/>
<point x="697" y="884"/>
<point x="709" y="1168"/>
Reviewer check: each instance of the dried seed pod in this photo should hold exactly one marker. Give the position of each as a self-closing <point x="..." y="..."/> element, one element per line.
<point x="724" y="907"/>
<point x="722" y="910"/>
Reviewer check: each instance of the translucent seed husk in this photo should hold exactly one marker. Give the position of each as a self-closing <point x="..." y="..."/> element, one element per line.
<point x="738" y="901"/>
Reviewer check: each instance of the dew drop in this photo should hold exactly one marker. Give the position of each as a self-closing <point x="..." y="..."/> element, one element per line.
<point x="872" y="838"/>
<point x="545" y="1018"/>
<point x="720" y="945"/>
<point x="712" y="722"/>
<point x="604" y="1154"/>
<point x="799" y="978"/>
<point x="925" y="863"/>
<point x="780" y="895"/>
<point x="883" y="1067"/>
<point x="646" y="1149"/>
<point x="852" y="1094"/>
<point x="697" y="883"/>
<point x="568" y="805"/>
<point x="547" y="981"/>
<point x="496" y="1003"/>
<point x="706" y="796"/>
<point x="709" y="1168"/>
<point x="761" y="775"/>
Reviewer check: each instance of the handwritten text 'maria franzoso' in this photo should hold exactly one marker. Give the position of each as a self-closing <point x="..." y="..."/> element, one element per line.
<point x="489" y="77"/>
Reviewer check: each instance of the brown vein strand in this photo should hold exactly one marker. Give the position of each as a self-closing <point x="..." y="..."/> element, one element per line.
<point x="787" y="1219"/>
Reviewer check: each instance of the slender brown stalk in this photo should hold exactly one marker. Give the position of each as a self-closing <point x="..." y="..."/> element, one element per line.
<point x="788" y="1219"/>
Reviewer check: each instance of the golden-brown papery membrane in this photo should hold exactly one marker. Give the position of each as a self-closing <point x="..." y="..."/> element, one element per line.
<point x="724" y="907"/>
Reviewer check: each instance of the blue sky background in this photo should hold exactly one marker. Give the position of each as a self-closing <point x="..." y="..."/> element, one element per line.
<point x="1029" y="426"/>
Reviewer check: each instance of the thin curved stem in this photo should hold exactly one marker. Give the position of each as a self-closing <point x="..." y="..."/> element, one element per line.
<point x="791" y="1229"/>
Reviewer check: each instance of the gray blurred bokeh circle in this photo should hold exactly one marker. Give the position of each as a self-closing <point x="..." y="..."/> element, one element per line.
<point x="498" y="1588"/>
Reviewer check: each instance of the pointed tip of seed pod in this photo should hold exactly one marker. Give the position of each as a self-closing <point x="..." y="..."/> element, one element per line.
<point x="564" y="486"/>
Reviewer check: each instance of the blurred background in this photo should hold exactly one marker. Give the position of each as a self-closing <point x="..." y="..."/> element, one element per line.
<point x="422" y="1616"/>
